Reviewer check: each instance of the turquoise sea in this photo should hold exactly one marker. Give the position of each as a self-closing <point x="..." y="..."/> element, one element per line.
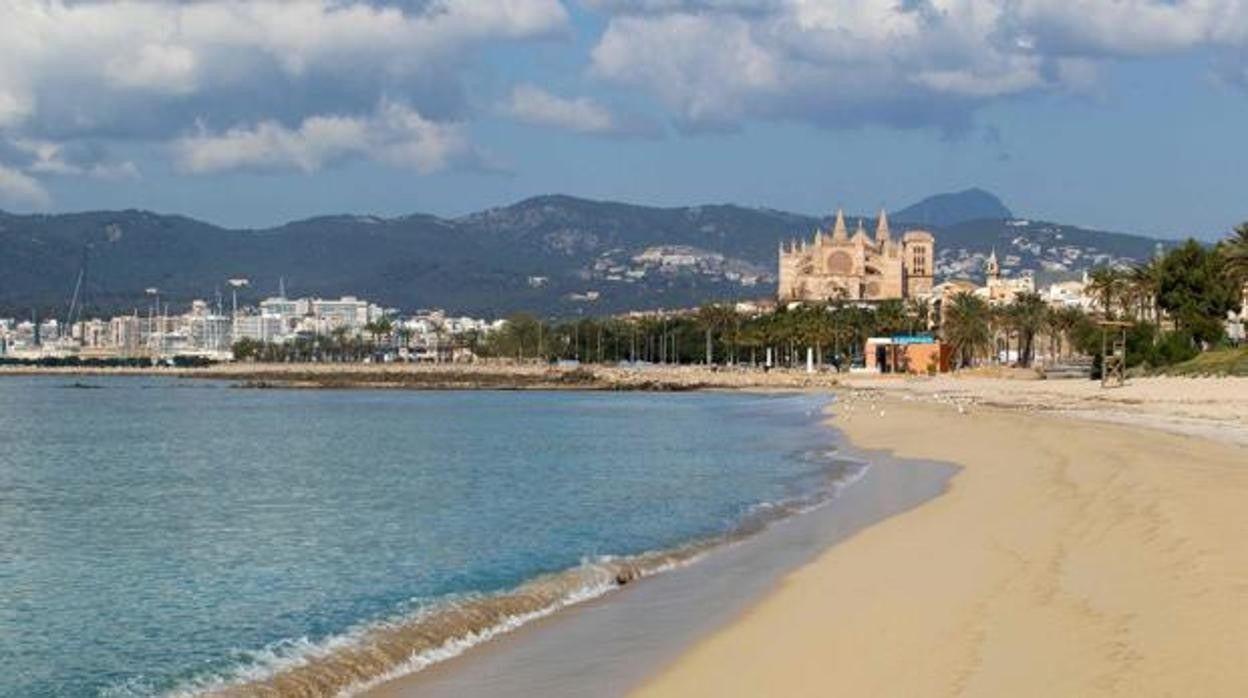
<point x="178" y="537"/>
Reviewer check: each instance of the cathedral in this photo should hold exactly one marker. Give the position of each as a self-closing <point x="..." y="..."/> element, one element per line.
<point x="858" y="267"/>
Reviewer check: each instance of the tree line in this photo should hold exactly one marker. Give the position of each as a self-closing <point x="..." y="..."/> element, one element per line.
<point x="1175" y="305"/>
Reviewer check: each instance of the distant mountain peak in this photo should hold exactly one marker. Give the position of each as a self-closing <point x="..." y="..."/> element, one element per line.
<point x="953" y="208"/>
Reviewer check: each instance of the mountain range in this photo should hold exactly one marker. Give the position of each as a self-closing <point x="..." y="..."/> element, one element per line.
<point x="549" y="254"/>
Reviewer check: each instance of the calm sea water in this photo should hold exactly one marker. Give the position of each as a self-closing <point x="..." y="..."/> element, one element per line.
<point x="163" y="536"/>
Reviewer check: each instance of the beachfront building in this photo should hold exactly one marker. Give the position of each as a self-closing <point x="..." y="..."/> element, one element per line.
<point x="837" y="265"/>
<point x="1237" y="323"/>
<point x="912" y="354"/>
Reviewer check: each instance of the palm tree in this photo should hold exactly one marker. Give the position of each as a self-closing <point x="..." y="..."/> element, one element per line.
<point x="1059" y="323"/>
<point x="339" y="336"/>
<point x="863" y="324"/>
<point x="439" y="334"/>
<point x="1142" y="283"/>
<point x="769" y="331"/>
<point x="786" y="328"/>
<point x="1053" y="331"/>
<point x="966" y="326"/>
<point x="1105" y="283"/>
<point x="1235" y="255"/>
<point x="1027" y="312"/>
<point x="919" y="313"/>
<point x="379" y="328"/>
<point x="714" y="317"/>
<point x="405" y="335"/>
<point x="750" y="335"/>
<point x="811" y="327"/>
<point x="1000" y="322"/>
<point x="891" y="316"/>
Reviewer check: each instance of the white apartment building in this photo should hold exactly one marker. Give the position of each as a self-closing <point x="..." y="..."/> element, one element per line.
<point x="126" y="332"/>
<point x="348" y="311"/>
<point x="1068" y="294"/>
<point x="259" y="328"/>
<point x="320" y="315"/>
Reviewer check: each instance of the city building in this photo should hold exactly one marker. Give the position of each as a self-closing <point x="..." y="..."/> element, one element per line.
<point x="860" y="268"/>
<point x="348" y="311"/>
<point x="1069" y="294"/>
<point x="126" y="333"/>
<point x="207" y="330"/>
<point x="258" y="328"/>
<point x="1002" y="290"/>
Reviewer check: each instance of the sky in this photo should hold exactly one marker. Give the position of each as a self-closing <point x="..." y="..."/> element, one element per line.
<point x="1127" y="115"/>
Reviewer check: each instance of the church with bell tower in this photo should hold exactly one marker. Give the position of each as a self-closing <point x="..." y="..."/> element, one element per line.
<point x="860" y="267"/>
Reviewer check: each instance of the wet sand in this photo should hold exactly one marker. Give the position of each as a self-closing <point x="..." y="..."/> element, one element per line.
<point x="1071" y="557"/>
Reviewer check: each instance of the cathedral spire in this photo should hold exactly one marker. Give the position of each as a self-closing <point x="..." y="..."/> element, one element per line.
<point x="992" y="269"/>
<point x="881" y="229"/>
<point x="838" y="229"/>
<point x="861" y="232"/>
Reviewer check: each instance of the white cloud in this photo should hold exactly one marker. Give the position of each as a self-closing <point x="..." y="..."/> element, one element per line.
<point x="155" y="67"/>
<point x="72" y="63"/>
<point x="395" y="134"/>
<point x="13" y="108"/>
<point x="51" y="158"/>
<point x="533" y="105"/>
<point x="908" y="62"/>
<point x="705" y="66"/>
<point x="1129" y="27"/>
<point x="20" y="189"/>
<point x="79" y="77"/>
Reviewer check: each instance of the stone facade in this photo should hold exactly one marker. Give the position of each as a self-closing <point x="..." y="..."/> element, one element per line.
<point x="859" y="267"/>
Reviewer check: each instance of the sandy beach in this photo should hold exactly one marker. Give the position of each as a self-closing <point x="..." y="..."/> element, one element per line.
<point x="1091" y="543"/>
<point x="1071" y="556"/>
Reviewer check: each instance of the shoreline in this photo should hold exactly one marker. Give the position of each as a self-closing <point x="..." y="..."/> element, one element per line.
<point x="1070" y="556"/>
<point x="479" y="376"/>
<point x="371" y="653"/>
<point x="617" y="641"/>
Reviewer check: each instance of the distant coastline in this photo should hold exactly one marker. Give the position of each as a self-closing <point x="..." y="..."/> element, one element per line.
<point x="480" y="376"/>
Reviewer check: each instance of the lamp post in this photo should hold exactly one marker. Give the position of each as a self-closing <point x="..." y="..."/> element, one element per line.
<point x="235" y="284"/>
<point x="154" y="293"/>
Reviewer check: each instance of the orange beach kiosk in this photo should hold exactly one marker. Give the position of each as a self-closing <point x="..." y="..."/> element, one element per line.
<point x="917" y="354"/>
